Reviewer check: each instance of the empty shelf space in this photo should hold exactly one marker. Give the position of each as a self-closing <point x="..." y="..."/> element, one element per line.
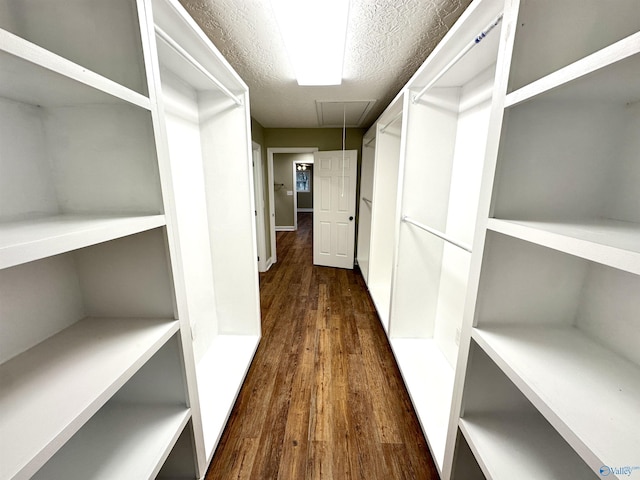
<point x="73" y="374"/>
<point x="610" y="242"/>
<point x="523" y="446"/>
<point x="220" y="375"/>
<point x="608" y="73"/>
<point x="429" y="380"/>
<point x="123" y="441"/>
<point x="33" y="75"/>
<point x="568" y="377"/>
<point x="28" y="240"/>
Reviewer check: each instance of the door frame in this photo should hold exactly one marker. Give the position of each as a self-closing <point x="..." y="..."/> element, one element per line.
<point x="272" y="207"/>
<point x="295" y="192"/>
<point x="256" y="151"/>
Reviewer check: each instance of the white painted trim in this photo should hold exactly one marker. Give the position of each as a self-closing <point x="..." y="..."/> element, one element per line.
<point x="272" y="207"/>
<point x="269" y="263"/>
<point x="259" y="206"/>
<point x="286" y="228"/>
<point x="305" y="210"/>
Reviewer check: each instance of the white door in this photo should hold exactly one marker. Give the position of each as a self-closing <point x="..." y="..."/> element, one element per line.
<point x="334" y="208"/>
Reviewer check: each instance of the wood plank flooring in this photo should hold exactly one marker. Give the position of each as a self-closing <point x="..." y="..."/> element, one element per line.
<point x="323" y="398"/>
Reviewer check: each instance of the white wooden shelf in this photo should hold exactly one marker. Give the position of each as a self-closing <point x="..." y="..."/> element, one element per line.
<point x="71" y="374"/>
<point x="28" y="240"/>
<point x="610" y="242"/>
<point x="429" y="379"/>
<point x="36" y="76"/>
<point x="511" y="445"/>
<point x="380" y="294"/>
<point x="621" y="79"/>
<point x="121" y="442"/>
<point x="589" y="394"/>
<point x="220" y="374"/>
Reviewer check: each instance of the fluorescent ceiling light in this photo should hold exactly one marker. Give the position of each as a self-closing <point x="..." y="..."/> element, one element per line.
<point x="314" y="33"/>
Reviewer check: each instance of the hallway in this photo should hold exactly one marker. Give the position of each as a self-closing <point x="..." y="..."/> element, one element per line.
<point x="323" y="398"/>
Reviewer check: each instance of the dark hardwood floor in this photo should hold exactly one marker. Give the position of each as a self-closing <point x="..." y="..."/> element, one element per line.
<point x="323" y="398"/>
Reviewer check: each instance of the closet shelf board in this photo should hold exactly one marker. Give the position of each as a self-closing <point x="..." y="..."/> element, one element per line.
<point x="610" y="242"/>
<point x="28" y="240"/>
<point x="620" y="81"/>
<point x="588" y="393"/>
<point x="48" y="392"/>
<point x="523" y="446"/>
<point x="123" y="441"/>
<point x="33" y="75"/>
<point x="429" y="379"/>
<point x="220" y="375"/>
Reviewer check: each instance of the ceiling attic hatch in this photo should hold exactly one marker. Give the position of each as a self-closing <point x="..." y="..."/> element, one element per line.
<point x="335" y="114"/>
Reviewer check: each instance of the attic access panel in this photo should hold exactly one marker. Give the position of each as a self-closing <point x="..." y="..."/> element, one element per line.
<point x="335" y="114"/>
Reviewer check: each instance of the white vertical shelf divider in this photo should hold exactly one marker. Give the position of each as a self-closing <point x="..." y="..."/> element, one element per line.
<point x="551" y="327"/>
<point x="206" y="142"/>
<point x="93" y="329"/>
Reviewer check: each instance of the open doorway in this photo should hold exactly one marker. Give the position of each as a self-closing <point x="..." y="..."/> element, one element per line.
<point x="303" y="181"/>
<point x="281" y="185"/>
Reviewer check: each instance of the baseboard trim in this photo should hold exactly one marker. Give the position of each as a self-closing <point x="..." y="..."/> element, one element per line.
<point x="305" y="210"/>
<point x="292" y="228"/>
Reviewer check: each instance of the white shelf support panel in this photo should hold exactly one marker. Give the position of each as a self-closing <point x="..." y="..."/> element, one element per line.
<point x="181" y="51"/>
<point x="437" y="233"/>
<point x="481" y="36"/>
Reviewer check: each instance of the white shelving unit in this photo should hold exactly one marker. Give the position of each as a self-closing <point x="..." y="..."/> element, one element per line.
<point x="205" y="125"/>
<point x="555" y="279"/>
<point x="113" y="235"/>
<point x="516" y="272"/>
<point x="447" y="107"/>
<point x="384" y="209"/>
<point x="366" y="203"/>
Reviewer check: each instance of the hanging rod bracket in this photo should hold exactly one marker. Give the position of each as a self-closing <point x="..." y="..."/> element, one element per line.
<point x="184" y="54"/>
<point x="477" y="39"/>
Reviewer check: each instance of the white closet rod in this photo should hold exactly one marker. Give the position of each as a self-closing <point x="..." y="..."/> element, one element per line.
<point x="458" y="57"/>
<point x="393" y="120"/>
<point x="437" y="233"/>
<point x="181" y="51"/>
<point x="367" y="201"/>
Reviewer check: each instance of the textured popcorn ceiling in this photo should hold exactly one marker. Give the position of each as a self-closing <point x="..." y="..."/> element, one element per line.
<point x="386" y="43"/>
